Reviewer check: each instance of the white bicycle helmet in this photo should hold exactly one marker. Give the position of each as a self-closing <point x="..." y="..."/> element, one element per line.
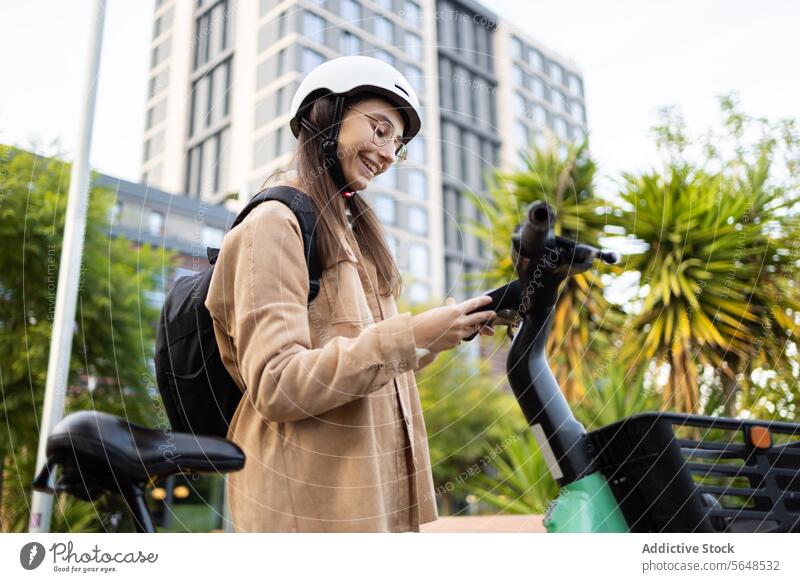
<point x="347" y="76"/>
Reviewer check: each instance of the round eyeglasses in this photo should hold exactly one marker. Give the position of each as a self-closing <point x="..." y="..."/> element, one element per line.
<point x="383" y="133"/>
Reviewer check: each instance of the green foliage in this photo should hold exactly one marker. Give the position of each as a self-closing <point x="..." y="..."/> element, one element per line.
<point x="114" y="324"/>
<point x="466" y="409"/>
<point x="519" y="481"/>
<point x="721" y="271"/>
<point x="564" y="177"/>
<point x="612" y="394"/>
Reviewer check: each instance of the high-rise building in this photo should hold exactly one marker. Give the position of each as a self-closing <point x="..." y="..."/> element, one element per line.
<point x="223" y="73"/>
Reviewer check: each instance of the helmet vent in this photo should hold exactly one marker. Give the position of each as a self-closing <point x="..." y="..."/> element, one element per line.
<point x="403" y="90"/>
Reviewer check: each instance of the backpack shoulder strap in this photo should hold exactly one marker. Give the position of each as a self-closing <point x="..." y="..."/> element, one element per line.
<point x="306" y="214"/>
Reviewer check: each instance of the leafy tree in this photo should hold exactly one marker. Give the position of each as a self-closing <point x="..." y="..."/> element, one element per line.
<point x="720" y="275"/>
<point x="114" y="324"/>
<point x="466" y="410"/>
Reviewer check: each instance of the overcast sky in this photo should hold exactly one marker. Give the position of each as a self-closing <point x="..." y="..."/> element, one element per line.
<point x="635" y="57"/>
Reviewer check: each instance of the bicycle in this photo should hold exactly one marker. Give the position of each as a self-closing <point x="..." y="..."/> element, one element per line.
<point x="101" y="454"/>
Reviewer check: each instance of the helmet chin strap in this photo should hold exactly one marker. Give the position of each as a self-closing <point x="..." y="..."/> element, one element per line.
<point x="329" y="148"/>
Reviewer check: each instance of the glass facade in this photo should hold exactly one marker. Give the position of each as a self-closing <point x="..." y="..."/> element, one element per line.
<point x="206" y="171"/>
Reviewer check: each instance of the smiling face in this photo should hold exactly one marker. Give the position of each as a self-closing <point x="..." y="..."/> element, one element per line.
<point x="361" y="158"/>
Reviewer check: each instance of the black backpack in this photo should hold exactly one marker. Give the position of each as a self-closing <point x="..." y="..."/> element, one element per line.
<point x="198" y="393"/>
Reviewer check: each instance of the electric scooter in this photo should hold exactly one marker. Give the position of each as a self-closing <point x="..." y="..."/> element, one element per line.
<point x="652" y="472"/>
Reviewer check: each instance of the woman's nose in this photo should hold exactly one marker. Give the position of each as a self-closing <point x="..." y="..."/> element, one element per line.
<point x="387" y="153"/>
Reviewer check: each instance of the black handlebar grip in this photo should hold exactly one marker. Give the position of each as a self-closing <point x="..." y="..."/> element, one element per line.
<point x="539" y="226"/>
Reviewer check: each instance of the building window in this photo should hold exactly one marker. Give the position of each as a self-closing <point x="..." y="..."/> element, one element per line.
<point x="561" y="103"/>
<point x="314" y="27"/>
<point x="156" y="113"/>
<point x="516" y="48"/>
<point x="521" y="135"/>
<point x="311" y="59"/>
<point x="279" y="100"/>
<point x="155" y="223"/>
<point x="416" y="150"/>
<point x="521" y="105"/>
<point x="386" y="209"/>
<point x="518" y="76"/>
<point x="279" y="141"/>
<point x="387" y="179"/>
<point x="539" y="116"/>
<point x="535" y="60"/>
<point x="162" y="23"/>
<point x="556" y="72"/>
<point x="351" y="11"/>
<point x="537" y="87"/>
<point x="417" y="184"/>
<point x="414" y="76"/>
<point x="385" y="4"/>
<point x="412" y="14"/>
<point x="282" y="64"/>
<point x="158" y="82"/>
<point x="575" y="85"/>
<point x="282" y="24"/>
<point x="384" y="56"/>
<point x="221" y="168"/>
<point x="384" y="29"/>
<point x="418" y="220"/>
<point x="350" y="44"/>
<point x="578" y="111"/>
<point x="219" y="92"/>
<point x="394" y="248"/>
<point x="194" y="159"/>
<point x="413" y="46"/>
<point x="560" y="128"/>
<point x="154" y="145"/>
<point x="160" y="52"/>
<point x="212" y="34"/>
<point x="418" y="260"/>
<point x="207" y="167"/>
<point x="199" y="105"/>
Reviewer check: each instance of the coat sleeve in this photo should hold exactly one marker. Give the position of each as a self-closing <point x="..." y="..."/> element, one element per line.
<point x="261" y="270"/>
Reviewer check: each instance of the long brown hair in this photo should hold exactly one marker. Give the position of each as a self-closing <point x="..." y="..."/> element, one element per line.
<point x="313" y="174"/>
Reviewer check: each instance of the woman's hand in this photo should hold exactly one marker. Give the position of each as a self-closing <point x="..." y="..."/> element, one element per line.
<point x="442" y="328"/>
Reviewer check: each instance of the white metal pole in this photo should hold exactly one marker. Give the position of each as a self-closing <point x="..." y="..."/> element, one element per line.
<point x="69" y="269"/>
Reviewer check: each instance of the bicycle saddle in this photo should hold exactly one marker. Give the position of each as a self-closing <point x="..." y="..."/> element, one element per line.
<point x="99" y="445"/>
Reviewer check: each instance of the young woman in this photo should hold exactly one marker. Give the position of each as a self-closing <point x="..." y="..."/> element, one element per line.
<point x="330" y="420"/>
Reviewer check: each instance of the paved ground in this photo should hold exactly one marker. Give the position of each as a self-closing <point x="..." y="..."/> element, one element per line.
<point x="486" y="524"/>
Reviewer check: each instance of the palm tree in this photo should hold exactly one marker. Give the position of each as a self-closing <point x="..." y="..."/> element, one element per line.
<point x="720" y="280"/>
<point x="563" y="175"/>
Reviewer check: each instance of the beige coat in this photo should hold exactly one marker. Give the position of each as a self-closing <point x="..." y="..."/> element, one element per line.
<point x="330" y="403"/>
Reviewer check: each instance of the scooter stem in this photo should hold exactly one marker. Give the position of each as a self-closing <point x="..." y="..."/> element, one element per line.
<point x="561" y="438"/>
<point x="543" y="262"/>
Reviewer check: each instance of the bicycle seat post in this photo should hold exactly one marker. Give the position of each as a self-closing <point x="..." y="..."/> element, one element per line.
<point x="134" y="497"/>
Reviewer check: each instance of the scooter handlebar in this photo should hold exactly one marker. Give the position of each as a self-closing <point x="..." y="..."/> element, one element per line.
<point x="538" y="227"/>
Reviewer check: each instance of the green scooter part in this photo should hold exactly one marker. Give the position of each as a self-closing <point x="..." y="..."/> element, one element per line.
<point x="584" y="506"/>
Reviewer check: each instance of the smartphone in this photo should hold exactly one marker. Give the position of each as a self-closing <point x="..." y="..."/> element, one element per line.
<point x="506" y="297"/>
